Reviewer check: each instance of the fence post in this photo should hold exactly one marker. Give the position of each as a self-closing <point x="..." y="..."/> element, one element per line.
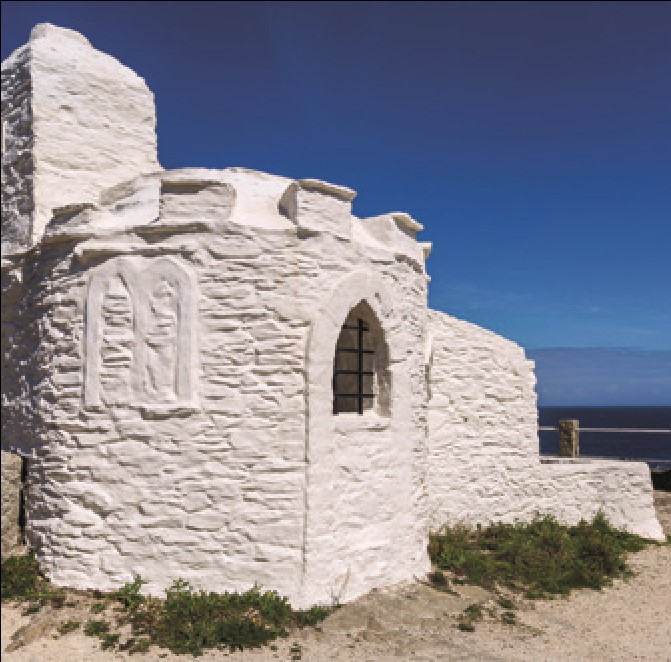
<point x="568" y="438"/>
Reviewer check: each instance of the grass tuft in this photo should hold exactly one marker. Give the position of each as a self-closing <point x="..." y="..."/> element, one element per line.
<point x="543" y="558"/>
<point x="469" y="617"/>
<point x="68" y="626"/>
<point x="188" y="621"/>
<point x="509" y="618"/>
<point x="185" y="622"/>
<point x="20" y="578"/>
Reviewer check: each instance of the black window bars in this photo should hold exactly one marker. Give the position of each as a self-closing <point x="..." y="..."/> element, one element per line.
<point x="356" y="388"/>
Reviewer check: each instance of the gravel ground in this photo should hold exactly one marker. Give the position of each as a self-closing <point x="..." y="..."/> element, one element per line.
<point x="411" y="621"/>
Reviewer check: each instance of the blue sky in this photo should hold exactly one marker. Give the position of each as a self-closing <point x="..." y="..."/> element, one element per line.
<point x="532" y="140"/>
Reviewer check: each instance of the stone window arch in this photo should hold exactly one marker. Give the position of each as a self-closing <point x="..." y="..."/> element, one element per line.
<point x="361" y="377"/>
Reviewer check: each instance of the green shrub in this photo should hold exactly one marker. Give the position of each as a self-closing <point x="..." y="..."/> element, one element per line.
<point x="188" y="621"/>
<point x="109" y="640"/>
<point x="96" y="628"/>
<point x="20" y="577"/>
<point x="130" y="594"/>
<point x="508" y="618"/>
<point x="98" y="607"/>
<point x="23" y="580"/>
<point x="68" y="626"/>
<point x="469" y="617"/>
<point x="543" y="558"/>
<point x="506" y="603"/>
<point x="185" y="622"/>
<point x="134" y="645"/>
<point x="312" y="616"/>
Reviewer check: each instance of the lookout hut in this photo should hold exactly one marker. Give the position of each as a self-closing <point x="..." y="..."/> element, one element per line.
<point x="226" y="376"/>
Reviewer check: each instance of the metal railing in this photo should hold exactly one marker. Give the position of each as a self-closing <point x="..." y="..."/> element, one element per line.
<point x="549" y="428"/>
<point x="569" y="436"/>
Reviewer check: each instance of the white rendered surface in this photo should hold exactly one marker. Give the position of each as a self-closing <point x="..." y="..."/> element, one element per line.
<point x="168" y="360"/>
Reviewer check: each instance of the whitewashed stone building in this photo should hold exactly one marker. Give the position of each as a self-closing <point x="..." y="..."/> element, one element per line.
<point x="225" y="376"/>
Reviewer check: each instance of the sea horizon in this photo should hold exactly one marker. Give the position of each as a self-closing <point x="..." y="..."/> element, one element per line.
<point x="655" y="449"/>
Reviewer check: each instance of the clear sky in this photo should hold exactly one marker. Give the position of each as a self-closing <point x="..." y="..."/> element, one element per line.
<point x="532" y="139"/>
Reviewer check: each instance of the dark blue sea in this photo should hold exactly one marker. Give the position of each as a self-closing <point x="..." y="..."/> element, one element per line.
<point x="655" y="449"/>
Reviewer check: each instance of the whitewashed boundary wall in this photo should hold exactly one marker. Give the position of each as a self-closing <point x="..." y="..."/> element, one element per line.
<point x="484" y="464"/>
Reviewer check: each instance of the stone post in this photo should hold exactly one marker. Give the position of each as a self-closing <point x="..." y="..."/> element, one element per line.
<point x="11" y="496"/>
<point x="568" y="438"/>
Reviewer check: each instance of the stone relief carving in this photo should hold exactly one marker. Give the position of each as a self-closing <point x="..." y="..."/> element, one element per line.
<point x="160" y="340"/>
<point x="116" y="342"/>
<point x="139" y="339"/>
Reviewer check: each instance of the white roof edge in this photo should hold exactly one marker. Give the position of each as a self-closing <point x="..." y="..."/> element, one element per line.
<point x="407" y="221"/>
<point x="340" y="192"/>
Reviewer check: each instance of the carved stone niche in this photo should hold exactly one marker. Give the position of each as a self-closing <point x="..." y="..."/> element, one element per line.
<point x="140" y="337"/>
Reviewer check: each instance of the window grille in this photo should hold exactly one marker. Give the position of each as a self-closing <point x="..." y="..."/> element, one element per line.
<point x="353" y="369"/>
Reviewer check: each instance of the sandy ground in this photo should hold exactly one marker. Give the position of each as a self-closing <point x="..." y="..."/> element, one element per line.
<point x="629" y="621"/>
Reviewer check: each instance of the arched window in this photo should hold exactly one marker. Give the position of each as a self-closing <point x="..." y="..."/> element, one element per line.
<point x="361" y="378"/>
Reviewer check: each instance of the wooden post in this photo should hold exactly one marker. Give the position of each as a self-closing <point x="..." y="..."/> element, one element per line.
<point x="568" y="438"/>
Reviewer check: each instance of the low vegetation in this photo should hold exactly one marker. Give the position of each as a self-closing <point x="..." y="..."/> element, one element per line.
<point x="21" y="579"/>
<point x="537" y="560"/>
<point x="540" y="559"/>
<point x="188" y="621"/>
<point x="469" y="617"/>
<point x="185" y="621"/>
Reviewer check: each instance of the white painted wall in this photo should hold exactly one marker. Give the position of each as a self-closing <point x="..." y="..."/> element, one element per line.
<point x="76" y="121"/>
<point x="248" y="476"/>
<point x="167" y="364"/>
<point x="484" y="465"/>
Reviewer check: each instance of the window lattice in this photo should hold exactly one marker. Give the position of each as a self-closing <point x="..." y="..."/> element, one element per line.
<point x="353" y="371"/>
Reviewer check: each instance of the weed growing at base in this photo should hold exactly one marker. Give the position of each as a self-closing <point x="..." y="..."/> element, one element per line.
<point x="542" y="559"/>
<point x="21" y="579"/>
<point x="186" y="621"/>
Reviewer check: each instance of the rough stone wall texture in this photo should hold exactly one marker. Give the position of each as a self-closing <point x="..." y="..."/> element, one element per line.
<point x="11" y="372"/>
<point x="482" y="420"/>
<point x="484" y="463"/>
<point x="11" y="485"/>
<point x="168" y="353"/>
<point x="575" y="489"/>
<point x="75" y="121"/>
<point x="17" y="150"/>
<point x="215" y="490"/>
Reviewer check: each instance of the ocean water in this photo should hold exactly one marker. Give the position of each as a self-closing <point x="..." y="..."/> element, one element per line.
<point x="652" y="448"/>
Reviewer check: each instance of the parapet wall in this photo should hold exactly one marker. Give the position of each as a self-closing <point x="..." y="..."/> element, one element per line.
<point x="484" y="464"/>
<point x="482" y="421"/>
